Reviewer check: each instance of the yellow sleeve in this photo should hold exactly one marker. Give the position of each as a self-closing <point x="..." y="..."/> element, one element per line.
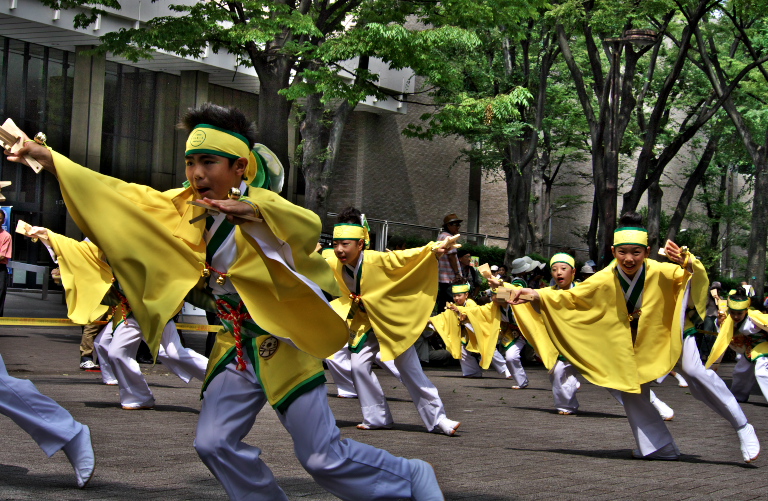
<point x="399" y="290"/>
<point x="153" y="250"/>
<point x="447" y="325"/>
<point x="85" y="276"/>
<point x="486" y="324"/>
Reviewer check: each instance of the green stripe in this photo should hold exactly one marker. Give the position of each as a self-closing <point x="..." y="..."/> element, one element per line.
<point x="211" y="152"/>
<point x="632" y="301"/>
<point x="230" y="132"/>
<point x="223" y="231"/>
<point x="690" y="332"/>
<point x="302" y="388"/>
<point x="360" y="343"/>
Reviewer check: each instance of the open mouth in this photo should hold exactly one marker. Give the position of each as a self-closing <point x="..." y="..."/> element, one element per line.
<point x="203" y="191"/>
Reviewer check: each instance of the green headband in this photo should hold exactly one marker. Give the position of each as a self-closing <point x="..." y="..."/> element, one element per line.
<point x="460" y="288"/>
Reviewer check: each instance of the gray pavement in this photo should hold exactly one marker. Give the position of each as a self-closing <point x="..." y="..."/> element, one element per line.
<point x="511" y="444"/>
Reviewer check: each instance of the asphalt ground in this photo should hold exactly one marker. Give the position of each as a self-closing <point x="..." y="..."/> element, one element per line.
<point x="511" y="444"/>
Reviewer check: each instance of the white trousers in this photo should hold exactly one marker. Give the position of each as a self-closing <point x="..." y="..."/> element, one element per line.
<point x="564" y="386"/>
<point x="48" y="423"/>
<point x="470" y="366"/>
<point x="340" y="367"/>
<point x="649" y="429"/>
<point x="134" y="390"/>
<point x="515" y="364"/>
<point x="705" y="385"/>
<point x="101" y="347"/>
<point x="345" y="468"/>
<point x="373" y="403"/>
<point x="745" y="374"/>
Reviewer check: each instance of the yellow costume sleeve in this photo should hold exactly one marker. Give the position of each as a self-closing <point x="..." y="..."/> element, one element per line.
<point x="85" y="276"/>
<point x="725" y="337"/>
<point x="447" y="325"/>
<point x="399" y="290"/>
<point x="589" y="325"/>
<point x="534" y="331"/>
<point x="279" y="301"/>
<point x="486" y="324"/>
<point x="153" y="250"/>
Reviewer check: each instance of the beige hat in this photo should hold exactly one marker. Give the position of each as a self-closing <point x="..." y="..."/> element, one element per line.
<point x="451" y="218"/>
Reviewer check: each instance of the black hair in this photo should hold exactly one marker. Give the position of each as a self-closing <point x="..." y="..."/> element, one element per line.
<point x="631" y="219"/>
<point x="2" y="215"/>
<point x="740" y="294"/>
<point x="462" y="252"/>
<point x="223" y="117"/>
<point x="504" y="266"/>
<point x="396" y="241"/>
<point x="349" y="215"/>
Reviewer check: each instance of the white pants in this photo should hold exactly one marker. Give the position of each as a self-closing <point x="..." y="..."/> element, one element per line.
<point x="746" y="373"/>
<point x="101" y="347"/>
<point x="649" y="429"/>
<point x="48" y="423"/>
<point x="345" y="468"/>
<point x="705" y="385"/>
<point x="340" y="368"/>
<point x="514" y="363"/>
<point x="564" y="386"/>
<point x="372" y="400"/>
<point x="470" y="367"/>
<point x="134" y="390"/>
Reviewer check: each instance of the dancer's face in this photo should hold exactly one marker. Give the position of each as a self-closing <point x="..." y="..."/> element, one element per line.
<point x="737" y="315"/>
<point x="348" y="251"/>
<point x="563" y="275"/>
<point x="212" y="175"/>
<point x="630" y="257"/>
<point x="460" y="299"/>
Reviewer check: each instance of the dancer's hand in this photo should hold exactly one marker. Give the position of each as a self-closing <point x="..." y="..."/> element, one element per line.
<point x="34" y="150"/>
<point x="232" y="208"/>
<point x="524" y="295"/>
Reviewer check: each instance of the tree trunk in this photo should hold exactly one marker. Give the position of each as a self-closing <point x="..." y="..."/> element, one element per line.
<point x="518" y="181"/>
<point x="655" y="195"/>
<point x="592" y="231"/>
<point x="759" y="232"/>
<point x="274" y="111"/>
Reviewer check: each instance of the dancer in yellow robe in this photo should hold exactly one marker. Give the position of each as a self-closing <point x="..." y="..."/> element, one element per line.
<point x="624" y="327"/>
<point x="271" y="292"/>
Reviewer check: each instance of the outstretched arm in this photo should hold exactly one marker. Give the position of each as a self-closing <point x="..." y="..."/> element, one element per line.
<point x="34" y="150"/>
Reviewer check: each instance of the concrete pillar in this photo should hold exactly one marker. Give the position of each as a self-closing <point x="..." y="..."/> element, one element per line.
<point x="87" y="115"/>
<point x="193" y="91"/>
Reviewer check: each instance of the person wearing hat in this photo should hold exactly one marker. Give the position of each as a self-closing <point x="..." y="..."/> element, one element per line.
<point x="744" y="330"/>
<point x="463" y="343"/>
<point x="624" y="345"/>
<point x="449" y="268"/>
<point x="255" y="251"/>
<point x="386" y="300"/>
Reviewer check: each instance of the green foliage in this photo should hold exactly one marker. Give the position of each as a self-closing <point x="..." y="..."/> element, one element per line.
<point x="485" y="254"/>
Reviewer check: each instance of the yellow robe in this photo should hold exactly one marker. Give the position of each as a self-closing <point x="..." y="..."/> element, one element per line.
<point x="450" y="330"/>
<point x="158" y="256"/>
<point x="589" y="325"/>
<point x="398" y="289"/>
<point x="725" y="337"/>
<point x="85" y="276"/>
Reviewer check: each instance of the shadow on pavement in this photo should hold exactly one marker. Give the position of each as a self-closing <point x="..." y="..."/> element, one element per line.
<point x="577" y="415"/>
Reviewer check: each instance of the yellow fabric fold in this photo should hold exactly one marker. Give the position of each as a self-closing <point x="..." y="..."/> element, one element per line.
<point x="486" y="323"/>
<point x="135" y="227"/>
<point x="589" y="325"/>
<point x="399" y="290"/>
<point x="726" y="334"/>
<point x="448" y="327"/>
<point x="85" y="276"/>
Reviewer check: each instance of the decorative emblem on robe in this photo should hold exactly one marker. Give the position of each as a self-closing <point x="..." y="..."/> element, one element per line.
<point x="269" y="347"/>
